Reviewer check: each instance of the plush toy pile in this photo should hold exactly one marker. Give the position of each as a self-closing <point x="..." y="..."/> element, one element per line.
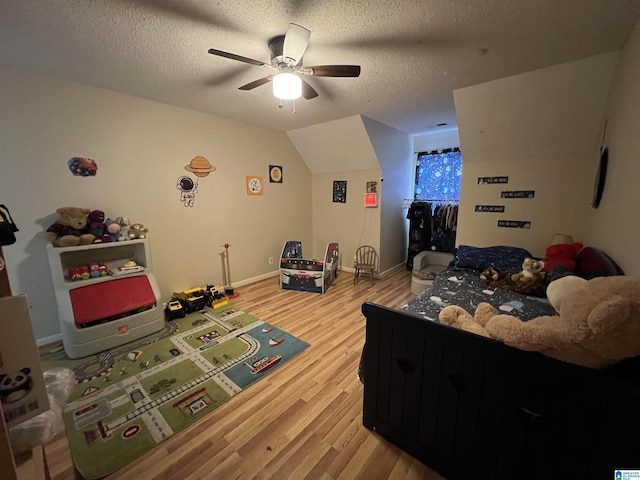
<point x="82" y="226"/>
<point x="529" y="281"/>
<point x="598" y="323"/>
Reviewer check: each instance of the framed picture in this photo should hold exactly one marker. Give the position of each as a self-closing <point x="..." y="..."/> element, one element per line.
<point x="254" y="185"/>
<point x="275" y="173"/>
<point x="340" y="191"/>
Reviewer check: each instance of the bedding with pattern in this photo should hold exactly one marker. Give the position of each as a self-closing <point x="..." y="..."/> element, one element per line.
<point x="461" y="285"/>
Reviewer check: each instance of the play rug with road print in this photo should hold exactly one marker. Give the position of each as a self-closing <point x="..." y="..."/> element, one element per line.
<point x="129" y="399"/>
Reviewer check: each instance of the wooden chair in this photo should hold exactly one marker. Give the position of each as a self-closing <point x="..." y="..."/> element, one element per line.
<point x="365" y="262"/>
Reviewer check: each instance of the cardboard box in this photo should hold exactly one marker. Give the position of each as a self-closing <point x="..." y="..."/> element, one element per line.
<point x="22" y="391"/>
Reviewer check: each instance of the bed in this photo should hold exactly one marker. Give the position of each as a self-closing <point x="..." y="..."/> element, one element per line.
<point x="472" y="407"/>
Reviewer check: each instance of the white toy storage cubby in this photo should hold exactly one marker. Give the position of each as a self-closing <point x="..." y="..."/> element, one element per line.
<point x="103" y="312"/>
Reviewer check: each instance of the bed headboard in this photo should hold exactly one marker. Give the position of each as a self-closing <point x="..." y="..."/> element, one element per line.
<point x="592" y="262"/>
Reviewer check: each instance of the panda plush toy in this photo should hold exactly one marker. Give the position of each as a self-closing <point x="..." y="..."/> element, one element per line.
<point x="15" y="385"/>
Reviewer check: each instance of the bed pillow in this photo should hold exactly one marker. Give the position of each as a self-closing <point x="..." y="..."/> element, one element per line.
<point x="500" y="257"/>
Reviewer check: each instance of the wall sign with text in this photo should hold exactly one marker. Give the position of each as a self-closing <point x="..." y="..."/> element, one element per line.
<point x="518" y="194"/>
<point x="489" y="180"/>
<point x="514" y="223"/>
<point x="490" y="208"/>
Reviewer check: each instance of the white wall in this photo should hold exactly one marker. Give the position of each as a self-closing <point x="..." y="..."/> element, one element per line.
<point x="542" y="129"/>
<point x="339" y="150"/>
<point x="437" y="140"/>
<point x="335" y="146"/>
<point x="614" y="226"/>
<point x="141" y="148"/>
<point x="393" y="151"/>
<point x="359" y="150"/>
<point x="349" y="224"/>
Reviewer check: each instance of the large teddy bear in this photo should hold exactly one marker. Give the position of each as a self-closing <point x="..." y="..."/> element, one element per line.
<point x="71" y="228"/>
<point x="598" y="323"/>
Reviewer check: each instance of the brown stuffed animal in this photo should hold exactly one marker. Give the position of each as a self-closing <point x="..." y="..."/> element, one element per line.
<point x="530" y="277"/>
<point x="71" y="228"/>
<point x="138" y="230"/>
<point x="598" y="325"/>
<point x="529" y="281"/>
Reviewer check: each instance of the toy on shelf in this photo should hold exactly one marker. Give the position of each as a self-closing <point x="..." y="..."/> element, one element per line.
<point x="297" y="273"/>
<point x="71" y="228"/>
<point x="126" y="268"/>
<point x="113" y="229"/>
<point x="98" y="227"/>
<point x="124" y="224"/>
<point x="93" y="270"/>
<point x="138" y="230"/>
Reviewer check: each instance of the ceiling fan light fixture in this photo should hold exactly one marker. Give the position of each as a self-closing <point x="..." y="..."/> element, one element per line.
<point x="287" y="86"/>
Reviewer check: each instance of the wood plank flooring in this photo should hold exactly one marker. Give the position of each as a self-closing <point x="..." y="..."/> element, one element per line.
<point x="303" y="421"/>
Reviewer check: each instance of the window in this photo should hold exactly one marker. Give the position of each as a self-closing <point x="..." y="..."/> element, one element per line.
<point x="438" y="175"/>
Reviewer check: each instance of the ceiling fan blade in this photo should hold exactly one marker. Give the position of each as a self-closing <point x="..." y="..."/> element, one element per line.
<point x="335" y="70"/>
<point x="307" y="91"/>
<point x="224" y="77"/>
<point x="256" y="83"/>
<point x="295" y="42"/>
<point x="233" y="56"/>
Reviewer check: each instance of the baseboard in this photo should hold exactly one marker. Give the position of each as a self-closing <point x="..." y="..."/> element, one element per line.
<point x="248" y="281"/>
<point x="376" y="274"/>
<point x="50" y="339"/>
<point x="391" y="270"/>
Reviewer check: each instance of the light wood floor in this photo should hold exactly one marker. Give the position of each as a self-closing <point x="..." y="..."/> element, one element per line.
<point x="303" y="421"/>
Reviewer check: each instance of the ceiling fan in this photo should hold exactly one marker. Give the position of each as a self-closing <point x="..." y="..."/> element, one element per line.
<point x="286" y="60"/>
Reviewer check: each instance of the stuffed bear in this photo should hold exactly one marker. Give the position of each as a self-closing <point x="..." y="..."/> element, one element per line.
<point x="71" y="228"/>
<point x="598" y="323"/>
<point x="15" y="385"/>
<point x="138" y="230"/>
<point x="97" y="226"/>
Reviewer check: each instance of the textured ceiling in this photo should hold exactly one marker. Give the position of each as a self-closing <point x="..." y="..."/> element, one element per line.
<point x="413" y="53"/>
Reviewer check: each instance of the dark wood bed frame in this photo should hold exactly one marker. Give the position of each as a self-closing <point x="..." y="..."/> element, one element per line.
<point x="472" y="407"/>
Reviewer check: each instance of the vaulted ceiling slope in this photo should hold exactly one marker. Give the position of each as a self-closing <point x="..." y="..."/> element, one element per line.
<point x="413" y="53"/>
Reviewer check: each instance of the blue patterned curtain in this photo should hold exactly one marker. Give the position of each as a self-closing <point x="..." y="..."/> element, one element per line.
<point x="438" y="176"/>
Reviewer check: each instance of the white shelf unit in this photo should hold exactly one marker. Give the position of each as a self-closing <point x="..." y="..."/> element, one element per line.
<point x="83" y="341"/>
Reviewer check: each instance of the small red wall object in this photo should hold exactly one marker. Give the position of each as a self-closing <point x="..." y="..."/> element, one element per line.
<point x="370" y="199"/>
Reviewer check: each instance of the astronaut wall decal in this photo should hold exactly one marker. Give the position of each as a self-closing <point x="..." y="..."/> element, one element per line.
<point x="200" y="167"/>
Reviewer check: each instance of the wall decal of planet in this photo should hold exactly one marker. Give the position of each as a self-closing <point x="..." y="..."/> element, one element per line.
<point x="200" y="166"/>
